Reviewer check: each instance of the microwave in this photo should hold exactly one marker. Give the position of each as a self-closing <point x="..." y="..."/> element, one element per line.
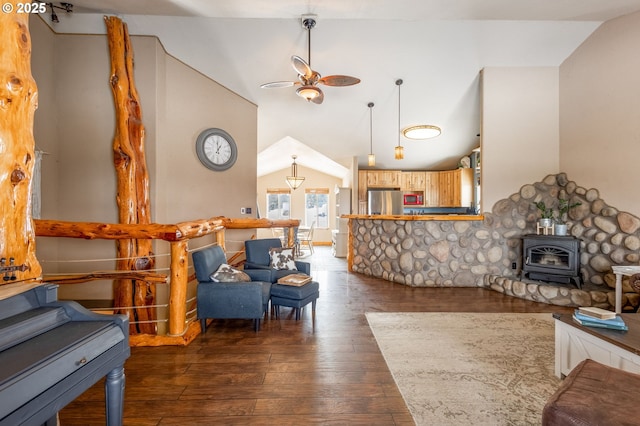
<point x="413" y="200"/>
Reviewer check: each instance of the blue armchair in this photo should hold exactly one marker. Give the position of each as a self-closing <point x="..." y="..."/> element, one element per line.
<point x="223" y="300"/>
<point x="257" y="254"/>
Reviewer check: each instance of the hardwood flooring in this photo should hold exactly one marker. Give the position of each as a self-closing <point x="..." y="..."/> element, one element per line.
<point x="323" y="370"/>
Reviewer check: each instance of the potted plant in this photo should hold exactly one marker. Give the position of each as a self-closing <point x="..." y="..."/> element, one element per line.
<point x="563" y="208"/>
<point x="546" y="214"/>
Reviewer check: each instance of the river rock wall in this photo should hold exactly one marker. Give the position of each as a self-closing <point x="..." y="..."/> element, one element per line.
<point x="451" y="253"/>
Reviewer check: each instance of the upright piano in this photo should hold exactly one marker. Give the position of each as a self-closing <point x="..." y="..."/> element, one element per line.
<point x="52" y="351"/>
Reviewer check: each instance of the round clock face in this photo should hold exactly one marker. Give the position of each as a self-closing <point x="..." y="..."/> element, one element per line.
<point x="216" y="149"/>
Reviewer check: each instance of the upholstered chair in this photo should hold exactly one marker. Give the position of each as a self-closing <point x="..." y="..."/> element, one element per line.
<point x="242" y="299"/>
<point x="259" y="258"/>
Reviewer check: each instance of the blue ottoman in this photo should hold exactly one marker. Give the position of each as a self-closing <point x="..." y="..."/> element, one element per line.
<point x="294" y="297"/>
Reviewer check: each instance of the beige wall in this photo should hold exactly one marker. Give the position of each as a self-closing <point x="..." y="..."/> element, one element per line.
<point x="313" y="179"/>
<point x="520" y="129"/>
<point x="75" y="124"/>
<point x="600" y="113"/>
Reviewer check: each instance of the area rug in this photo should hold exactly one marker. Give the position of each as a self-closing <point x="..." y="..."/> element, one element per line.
<point x="470" y="369"/>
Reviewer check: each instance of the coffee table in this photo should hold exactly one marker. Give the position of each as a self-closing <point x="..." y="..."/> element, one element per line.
<point x="575" y="343"/>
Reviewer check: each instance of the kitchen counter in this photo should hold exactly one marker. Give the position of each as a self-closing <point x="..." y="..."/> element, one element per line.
<point x="428" y="217"/>
<point x="437" y="250"/>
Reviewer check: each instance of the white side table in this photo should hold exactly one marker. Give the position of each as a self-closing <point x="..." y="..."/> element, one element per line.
<point x="621" y="271"/>
<point x="575" y="343"/>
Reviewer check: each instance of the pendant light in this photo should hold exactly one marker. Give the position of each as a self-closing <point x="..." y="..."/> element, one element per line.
<point x="294" y="181"/>
<point x="399" y="150"/>
<point x="372" y="156"/>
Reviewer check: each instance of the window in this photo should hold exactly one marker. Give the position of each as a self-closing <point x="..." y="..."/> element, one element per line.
<point x="278" y="203"/>
<point x="316" y="202"/>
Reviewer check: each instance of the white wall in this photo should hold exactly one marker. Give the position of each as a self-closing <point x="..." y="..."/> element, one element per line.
<point x="520" y="129"/>
<point x="600" y="113"/>
<point x="313" y="179"/>
<point x="75" y="123"/>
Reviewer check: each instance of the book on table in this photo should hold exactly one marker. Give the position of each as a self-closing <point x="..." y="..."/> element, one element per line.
<point x="592" y="311"/>
<point x="295" y="279"/>
<point x="616" y="323"/>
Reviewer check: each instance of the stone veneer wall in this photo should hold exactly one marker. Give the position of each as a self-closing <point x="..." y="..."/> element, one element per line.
<point x="480" y="253"/>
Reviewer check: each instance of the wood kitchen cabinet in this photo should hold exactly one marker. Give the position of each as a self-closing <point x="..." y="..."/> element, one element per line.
<point x="449" y="188"/>
<point x="412" y="181"/>
<point x="384" y="178"/>
<point x="362" y="191"/>
<point x="455" y="188"/>
<point x="431" y="189"/>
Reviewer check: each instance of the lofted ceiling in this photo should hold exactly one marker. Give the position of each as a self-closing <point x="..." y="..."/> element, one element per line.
<point x="437" y="47"/>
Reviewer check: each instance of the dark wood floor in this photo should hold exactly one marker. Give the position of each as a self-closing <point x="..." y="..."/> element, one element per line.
<point x="326" y="369"/>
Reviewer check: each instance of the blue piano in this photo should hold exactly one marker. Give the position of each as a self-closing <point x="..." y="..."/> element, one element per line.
<point x="52" y="351"/>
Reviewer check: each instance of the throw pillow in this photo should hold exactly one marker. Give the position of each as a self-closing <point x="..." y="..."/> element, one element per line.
<point x="282" y="258"/>
<point x="229" y="274"/>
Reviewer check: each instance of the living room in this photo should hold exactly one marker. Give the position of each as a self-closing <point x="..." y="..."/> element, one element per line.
<point x="547" y="129"/>
<point x="579" y="118"/>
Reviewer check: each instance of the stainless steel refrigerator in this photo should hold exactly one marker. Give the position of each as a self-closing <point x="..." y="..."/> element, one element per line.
<point x="385" y="201"/>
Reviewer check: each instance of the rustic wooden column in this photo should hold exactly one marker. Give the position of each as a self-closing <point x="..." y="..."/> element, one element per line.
<point x="134" y="206"/>
<point x="178" y="288"/>
<point x="18" y="102"/>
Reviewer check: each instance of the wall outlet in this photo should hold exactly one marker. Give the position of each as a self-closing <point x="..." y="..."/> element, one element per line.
<point x="243" y="210"/>
<point x="247" y="210"/>
<point x="514" y="266"/>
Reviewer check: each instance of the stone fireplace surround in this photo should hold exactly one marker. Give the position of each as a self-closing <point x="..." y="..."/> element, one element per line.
<point x="481" y="253"/>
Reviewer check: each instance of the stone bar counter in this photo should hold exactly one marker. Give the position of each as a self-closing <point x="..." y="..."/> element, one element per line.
<point x="422" y="250"/>
<point x="486" y="250"/>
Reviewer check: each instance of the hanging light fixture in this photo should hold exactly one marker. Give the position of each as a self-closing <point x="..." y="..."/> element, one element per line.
<point x="372" y="156"/>
<point x="422" y="131"/>
<point x="308" y="92"/>
<point x="294" y="181"/>
<point x="399" y="150"/>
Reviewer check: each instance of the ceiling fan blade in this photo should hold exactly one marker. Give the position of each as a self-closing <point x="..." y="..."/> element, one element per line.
<point x="276" y="84"/>
<point x="301" y="66"/>
<point x="318" y="99"/>
<point x="339" y="80"/>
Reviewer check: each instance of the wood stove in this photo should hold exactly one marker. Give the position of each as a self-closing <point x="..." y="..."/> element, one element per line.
<point x="552" y="258"/>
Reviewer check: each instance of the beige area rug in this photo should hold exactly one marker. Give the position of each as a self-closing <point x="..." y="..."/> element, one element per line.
<point x="470" y="369"/>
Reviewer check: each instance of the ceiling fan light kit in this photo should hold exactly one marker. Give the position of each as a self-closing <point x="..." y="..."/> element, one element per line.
<point x="308" y="92"/>
<point x="422" y="131"/>
<point x="308" y="79"/>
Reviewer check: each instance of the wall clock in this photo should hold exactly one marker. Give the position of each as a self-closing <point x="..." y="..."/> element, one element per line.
<point x="216" y="149"/>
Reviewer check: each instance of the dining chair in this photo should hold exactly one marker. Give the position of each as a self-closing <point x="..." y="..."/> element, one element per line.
<point x="305" y="237"/>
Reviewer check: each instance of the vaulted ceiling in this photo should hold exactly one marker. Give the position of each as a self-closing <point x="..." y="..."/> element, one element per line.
<point x="437" y="47"/>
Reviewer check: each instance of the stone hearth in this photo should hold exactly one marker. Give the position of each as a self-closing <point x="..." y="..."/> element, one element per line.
<point x="481" y="253"/>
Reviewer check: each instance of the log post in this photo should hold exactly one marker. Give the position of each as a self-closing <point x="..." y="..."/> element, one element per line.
<point x="178" y="288"/>
<point x="134" y="206"/>
<point x="18" y="102"/>
<point x="221" y="239"/>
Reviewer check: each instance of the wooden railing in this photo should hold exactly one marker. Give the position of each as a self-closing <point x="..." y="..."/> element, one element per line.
<point x="178" y="235"/>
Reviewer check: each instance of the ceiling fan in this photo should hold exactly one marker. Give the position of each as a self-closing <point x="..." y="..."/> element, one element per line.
<point x="308" y="79"/>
